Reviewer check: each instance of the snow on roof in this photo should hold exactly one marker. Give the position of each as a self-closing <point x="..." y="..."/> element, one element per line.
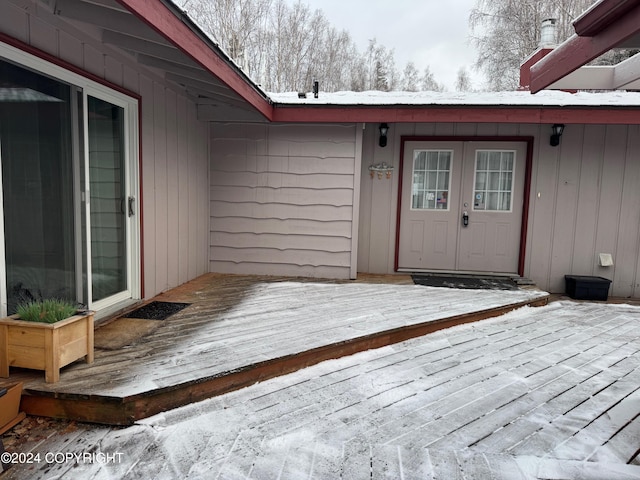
<point x="376" y="98"/>
<point x="513" y="98"/>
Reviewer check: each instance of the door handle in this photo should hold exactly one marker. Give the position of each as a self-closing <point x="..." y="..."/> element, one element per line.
<point x="132" y="206"/>
<point x="465" y="219"/>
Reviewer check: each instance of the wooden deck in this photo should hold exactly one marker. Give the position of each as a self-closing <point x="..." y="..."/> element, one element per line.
<point x="239" y="330"/>
<point x="543" y="393"/>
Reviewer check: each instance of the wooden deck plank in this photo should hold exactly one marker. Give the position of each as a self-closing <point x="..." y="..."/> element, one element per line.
<point x="356" y="463"/>
<point x="420" y="400"/>
<point x="239" y="463"/>
<point x="446" y="464"/>
<point x="613" y="414"/>
<point x="416" y="463"/>
<point x="574" y="418"/>
<point x="624" y="444"/>
<point x="236" y="332"/>
<point x="300" y="460"/>
<point x="233" y="332"/>
<point x="566" y="386"/>
<point x="386" y="462"/>
<point x="381" y="397"/>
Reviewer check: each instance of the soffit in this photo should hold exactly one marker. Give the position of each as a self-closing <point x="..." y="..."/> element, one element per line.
<point x="119" y="28"/>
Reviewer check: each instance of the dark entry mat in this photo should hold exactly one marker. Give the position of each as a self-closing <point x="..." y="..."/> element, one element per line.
<point x="157" y="310"/>
<point x="470" y="282"/>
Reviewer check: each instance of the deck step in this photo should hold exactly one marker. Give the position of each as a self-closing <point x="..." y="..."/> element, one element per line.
<point x="126" y="409"/>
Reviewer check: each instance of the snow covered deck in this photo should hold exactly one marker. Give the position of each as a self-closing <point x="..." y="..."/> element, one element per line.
<point x="539" y="393"/>
<point x="242" y="329"/>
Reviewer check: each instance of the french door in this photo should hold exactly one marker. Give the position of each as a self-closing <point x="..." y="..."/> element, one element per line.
<point x="461" y="206"/>
<point x="68" y="158"/>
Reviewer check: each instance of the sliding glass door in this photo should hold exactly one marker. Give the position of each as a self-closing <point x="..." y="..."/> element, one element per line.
<point x="68" y="157"/>
<point x="37" y="186"/>
<point x="109" y="200"/>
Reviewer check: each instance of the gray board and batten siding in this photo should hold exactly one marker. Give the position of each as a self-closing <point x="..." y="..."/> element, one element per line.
<point x="298" y="199"/>
<point x="284" y="199"/>
<point x="174" y="143"/>
<point x="584" y="200"/>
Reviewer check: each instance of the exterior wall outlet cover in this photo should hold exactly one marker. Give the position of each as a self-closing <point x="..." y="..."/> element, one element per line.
<point x="606" y="260"/>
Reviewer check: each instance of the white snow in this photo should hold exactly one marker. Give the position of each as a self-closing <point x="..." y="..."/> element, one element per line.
<point x="545" y="98"/>
<point x="547" y="377"/>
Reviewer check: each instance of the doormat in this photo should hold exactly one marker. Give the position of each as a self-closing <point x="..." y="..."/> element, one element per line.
<point x="465" y="282"/>
<point x="157" y="310"/>
<point x="123" y="332"/>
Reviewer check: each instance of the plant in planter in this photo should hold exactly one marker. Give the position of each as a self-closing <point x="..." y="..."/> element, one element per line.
<point x="45" y="335"/>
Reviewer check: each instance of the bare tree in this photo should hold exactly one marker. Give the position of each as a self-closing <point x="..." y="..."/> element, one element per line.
<point x="463" y="82"/>
<point x="382" y="73"/>
<point x="410" y="78"/>
<point x="428" y="82"/>
<point x="286" y="47"/>
<point x="506" y="32"/>
<point x="237" y="25"/>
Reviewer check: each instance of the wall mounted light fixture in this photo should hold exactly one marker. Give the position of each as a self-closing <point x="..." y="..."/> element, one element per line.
<point x="384" y="129"/>
<point x="556" y="133"/>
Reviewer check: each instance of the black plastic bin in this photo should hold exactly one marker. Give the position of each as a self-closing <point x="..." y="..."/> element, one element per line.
<point x="584" y="287"/>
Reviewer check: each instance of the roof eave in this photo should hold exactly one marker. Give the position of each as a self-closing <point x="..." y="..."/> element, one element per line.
<point x="580" y="50"/>
<point x="454" y="114"/>
<point x="601" y="15"/>
<point x="174" y="25"/>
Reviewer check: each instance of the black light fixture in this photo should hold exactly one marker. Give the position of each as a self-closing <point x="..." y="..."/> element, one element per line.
<point x="384" y="129"/>
<point x="556" y="133"/>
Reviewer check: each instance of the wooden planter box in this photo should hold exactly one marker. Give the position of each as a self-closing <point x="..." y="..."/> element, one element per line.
<point x="10" y="413"/>
<point x="45" y="346"/>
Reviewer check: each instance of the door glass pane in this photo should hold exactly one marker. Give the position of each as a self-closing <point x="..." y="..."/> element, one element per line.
<point x="108" y="207"/>
<point x="494" y="180"/>
<point x="37" y="186"/>
<point x="431" y="175"/>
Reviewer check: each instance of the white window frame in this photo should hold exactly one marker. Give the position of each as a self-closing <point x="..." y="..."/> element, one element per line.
<point x="130" y="104"/>
<point x="513" y="177"/>
<point x="413" y="172"/>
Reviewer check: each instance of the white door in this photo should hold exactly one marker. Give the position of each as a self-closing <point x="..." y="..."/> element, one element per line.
<point x="461" y="206"/>
<point x="110" y="209"/>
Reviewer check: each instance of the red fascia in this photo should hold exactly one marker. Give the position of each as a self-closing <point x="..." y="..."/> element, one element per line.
<point x="462" y="114"/>
<point x="159" y="17"/>
<point x="601" y="15"/>
<point x="525" y="68"/>
<point x="578" y="51"/>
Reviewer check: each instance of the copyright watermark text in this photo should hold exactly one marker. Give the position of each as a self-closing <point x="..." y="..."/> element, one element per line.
<point x="61" y="457"/>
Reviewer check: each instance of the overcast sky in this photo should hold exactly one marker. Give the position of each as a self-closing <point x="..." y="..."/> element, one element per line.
<point x="432" y="33"/>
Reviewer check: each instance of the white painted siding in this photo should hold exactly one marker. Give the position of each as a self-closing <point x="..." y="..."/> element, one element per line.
<point x="585" y="200"/>
<point x="174" y="164"/>
<point x="282" y="199"/>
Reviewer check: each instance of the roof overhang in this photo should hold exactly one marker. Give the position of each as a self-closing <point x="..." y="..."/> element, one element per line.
<point x="163" y="39"/>
<point x="607" y="25"/>
<point x="515" y="107"/>
<point x="456" y="114"/>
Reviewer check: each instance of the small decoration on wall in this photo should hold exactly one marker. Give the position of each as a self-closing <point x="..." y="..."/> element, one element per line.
<point x="381" y="169"/>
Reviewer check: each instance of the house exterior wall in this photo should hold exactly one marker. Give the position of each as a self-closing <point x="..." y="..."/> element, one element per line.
<point x="584" y="201"/>
<point x="174" y="144"/>
<point x="284" y="199"/>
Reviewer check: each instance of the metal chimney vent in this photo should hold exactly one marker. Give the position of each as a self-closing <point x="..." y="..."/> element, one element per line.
<point x="548" y="33"/>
